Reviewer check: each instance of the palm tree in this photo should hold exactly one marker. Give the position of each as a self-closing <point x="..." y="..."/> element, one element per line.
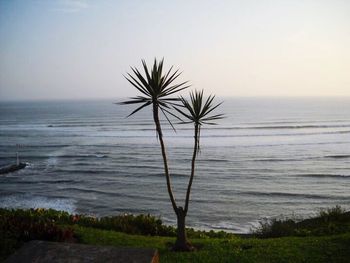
<point x="197" y="112"/>
<point x="156" y="89"/>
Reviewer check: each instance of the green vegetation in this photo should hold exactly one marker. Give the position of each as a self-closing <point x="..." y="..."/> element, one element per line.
<point x="18" y="226"/>
<point x="288" y="249"/>
<point x="329" y="222"/>
<point x="127" y="223"/>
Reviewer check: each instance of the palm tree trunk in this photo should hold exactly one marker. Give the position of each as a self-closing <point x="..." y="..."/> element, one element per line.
<point x="195" y="149"/>
<point x="165" y="162"/>
<point x="182" y="243"/>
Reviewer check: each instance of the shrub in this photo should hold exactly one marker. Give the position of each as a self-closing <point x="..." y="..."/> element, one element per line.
<point x="333" y="213"/>
<point x="127" y="223"/>
<point x="275" y="228"/>
<point x="25" y="226"/>
<point x="329" y="221"/>
<point x="18" y="226"/>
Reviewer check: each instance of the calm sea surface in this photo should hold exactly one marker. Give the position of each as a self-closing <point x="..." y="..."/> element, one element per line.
<point x="268" y="157"/>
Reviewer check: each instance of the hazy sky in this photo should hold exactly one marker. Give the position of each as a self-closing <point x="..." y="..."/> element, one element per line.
<point x="80" y="49"/>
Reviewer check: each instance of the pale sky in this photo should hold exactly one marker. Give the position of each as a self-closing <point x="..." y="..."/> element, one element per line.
<point x="67" y="49"/>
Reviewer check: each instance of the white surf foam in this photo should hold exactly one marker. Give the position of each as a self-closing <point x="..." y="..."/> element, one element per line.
<point x="28" y="201"/>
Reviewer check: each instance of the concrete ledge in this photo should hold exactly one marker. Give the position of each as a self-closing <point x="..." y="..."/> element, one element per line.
<point x="54" y="252"/>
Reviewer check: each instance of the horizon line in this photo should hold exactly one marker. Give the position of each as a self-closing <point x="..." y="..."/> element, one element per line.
<point x="217" y="96"/>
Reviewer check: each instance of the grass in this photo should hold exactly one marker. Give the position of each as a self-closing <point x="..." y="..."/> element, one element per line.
<point x="334" y="248"/>
<point x="317" y="245"/>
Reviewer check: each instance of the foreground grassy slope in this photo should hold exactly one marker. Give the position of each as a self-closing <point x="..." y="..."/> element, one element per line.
<point x="325" y="238"/>
<point x="334" y="248"/>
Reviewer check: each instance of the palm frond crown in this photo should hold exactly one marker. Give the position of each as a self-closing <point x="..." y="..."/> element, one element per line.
<point x="155" y="87"/>
<point x="198" y="110"/>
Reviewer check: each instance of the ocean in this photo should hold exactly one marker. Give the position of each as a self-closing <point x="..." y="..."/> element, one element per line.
<point x="269" y="157"/>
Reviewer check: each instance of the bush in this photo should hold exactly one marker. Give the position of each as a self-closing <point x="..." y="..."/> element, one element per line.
<point x="127" y="223"/>
<point x="19" y="226"/>
<point x="329" y="221"/>
<point x="25" y="226"/>
<point x="275" y="228"/>
<point x="335" y="213"/>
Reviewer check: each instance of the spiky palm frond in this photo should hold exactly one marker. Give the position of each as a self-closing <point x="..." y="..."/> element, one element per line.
<point x="198" y="110"/>
<point x="155" y="86"/>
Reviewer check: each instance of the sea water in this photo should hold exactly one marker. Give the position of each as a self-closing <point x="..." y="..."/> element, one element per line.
<point x="268" y="157"/>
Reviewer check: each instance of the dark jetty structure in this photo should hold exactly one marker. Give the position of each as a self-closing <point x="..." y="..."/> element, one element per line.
<point x="12" y="168"/>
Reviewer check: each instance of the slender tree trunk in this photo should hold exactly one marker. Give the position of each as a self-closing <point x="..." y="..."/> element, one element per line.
<point x="165" y="162"/>
<point x="195" y="148"/>
<point x="182" y="243"/>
